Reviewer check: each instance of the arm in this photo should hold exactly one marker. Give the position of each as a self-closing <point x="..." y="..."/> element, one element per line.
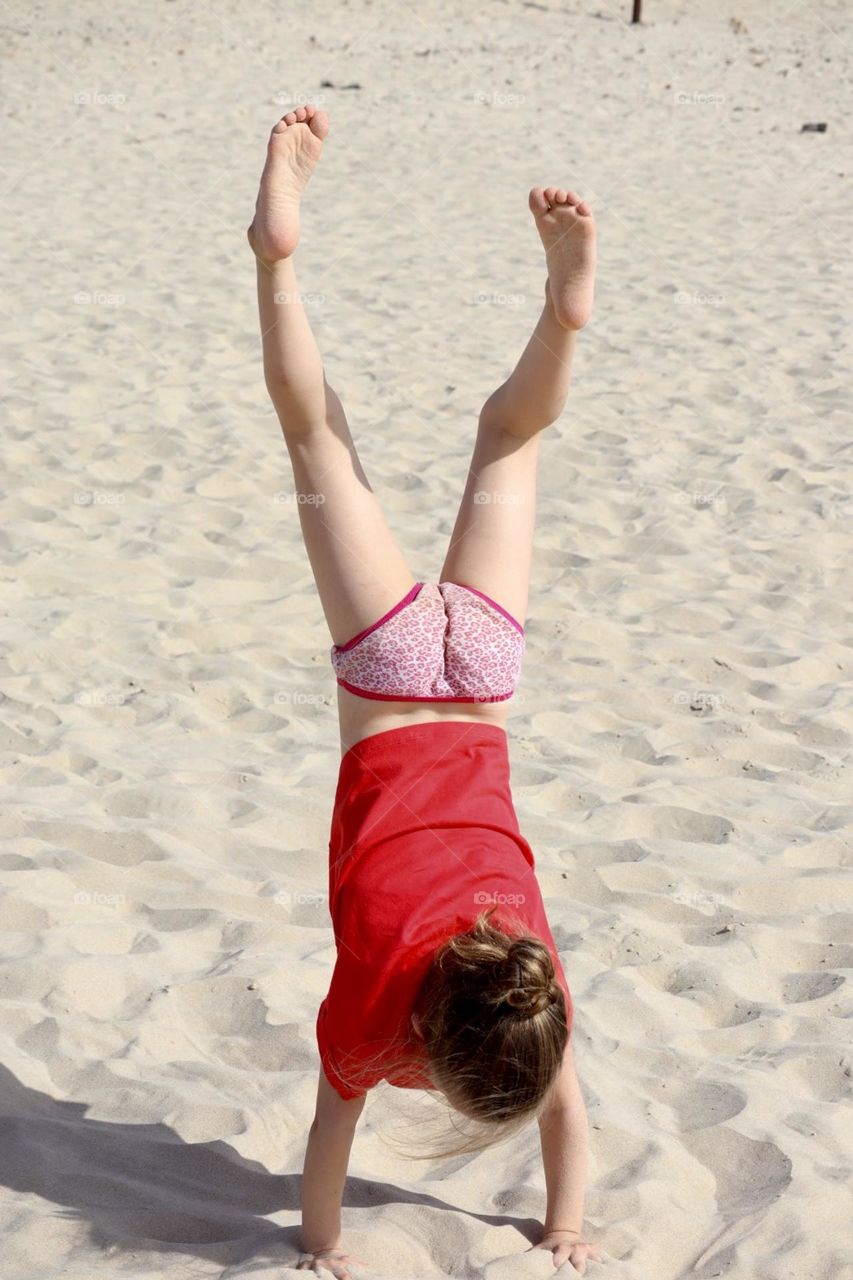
<point x="564" y="1135"/>
<point x="325" y="1169"/>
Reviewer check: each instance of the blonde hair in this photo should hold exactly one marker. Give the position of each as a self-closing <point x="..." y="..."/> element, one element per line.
<point x="492" y="1018"/>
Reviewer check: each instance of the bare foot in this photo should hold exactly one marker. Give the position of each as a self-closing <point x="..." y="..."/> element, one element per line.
<point x="292" y="152"/>
<point x="567" y="228"/>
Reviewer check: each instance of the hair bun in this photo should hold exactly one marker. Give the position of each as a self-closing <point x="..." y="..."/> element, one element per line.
<point x="509" y="972"/>
<point x="529" y="974"/>
<point x="530" y="1000"/>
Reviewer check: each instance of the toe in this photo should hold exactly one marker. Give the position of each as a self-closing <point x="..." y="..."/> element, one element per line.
<point x="537" y="201"/>
<point x="584" y="209"/>
<point x="560" y="196"/>
<point x="301" y="114"/>
<point x="290" y="118"/>
<point x="550" y="194"/>
<point x="319" y="123"/>
<point x="572" y="197"/>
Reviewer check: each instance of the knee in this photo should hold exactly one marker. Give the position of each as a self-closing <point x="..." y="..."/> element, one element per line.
<point x="295" y="423"/>
<point x="497" y="416"/>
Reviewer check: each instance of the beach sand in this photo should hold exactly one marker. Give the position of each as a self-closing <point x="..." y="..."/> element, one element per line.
<point x="682" y="736"/>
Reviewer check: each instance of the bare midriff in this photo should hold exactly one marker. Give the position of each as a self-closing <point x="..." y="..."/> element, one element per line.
<point x="362" y="717"/>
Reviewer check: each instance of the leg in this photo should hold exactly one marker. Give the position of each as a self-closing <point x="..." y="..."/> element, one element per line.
<point x="358" y="567"/>
<point x="492" y="540"/>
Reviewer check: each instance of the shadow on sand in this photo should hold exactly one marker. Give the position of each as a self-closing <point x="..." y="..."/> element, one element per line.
<point x="141" y="1186"/>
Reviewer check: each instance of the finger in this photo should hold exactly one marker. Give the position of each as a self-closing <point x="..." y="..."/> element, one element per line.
<point x="577" y="1257"/>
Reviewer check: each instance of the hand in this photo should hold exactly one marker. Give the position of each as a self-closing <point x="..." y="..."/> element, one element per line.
<point x="330" y="1262"/>
<point x="568" y="1246"/>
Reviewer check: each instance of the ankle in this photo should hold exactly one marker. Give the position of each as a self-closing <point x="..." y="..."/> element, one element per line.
<point x="550" y="311"/>
<point x="269" y="263"/>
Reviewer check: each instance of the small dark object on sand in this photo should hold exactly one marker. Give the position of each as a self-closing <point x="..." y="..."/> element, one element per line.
<point x="814" y="128"/>
<point x="330" y="84"/>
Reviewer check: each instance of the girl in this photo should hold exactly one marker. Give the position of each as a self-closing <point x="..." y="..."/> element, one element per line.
<point x="447" y="976"/>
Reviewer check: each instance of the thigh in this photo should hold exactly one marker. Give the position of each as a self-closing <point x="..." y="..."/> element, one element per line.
<point x="492" y="542"/>
<point x="358" y="567"/>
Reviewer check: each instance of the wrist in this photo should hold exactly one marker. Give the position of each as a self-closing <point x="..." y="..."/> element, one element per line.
<point x="320" y="1244"/>
<point x="321" y="1233"/>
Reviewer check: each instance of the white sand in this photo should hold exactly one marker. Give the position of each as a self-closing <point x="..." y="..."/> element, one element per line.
<point x="681" y="736"/>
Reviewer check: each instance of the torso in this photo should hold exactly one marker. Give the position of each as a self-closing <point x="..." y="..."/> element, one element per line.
<point x="423" y="834"/>
<point x="362" y="717"/>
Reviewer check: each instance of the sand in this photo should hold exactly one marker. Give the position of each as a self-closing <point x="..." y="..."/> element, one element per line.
<point x="682" y="737"/>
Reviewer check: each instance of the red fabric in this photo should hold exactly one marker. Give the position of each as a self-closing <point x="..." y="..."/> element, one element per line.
<point x="424" y="836"/>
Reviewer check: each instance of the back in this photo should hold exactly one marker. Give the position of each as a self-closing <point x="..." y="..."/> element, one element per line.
<point x="424" y="837"/>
